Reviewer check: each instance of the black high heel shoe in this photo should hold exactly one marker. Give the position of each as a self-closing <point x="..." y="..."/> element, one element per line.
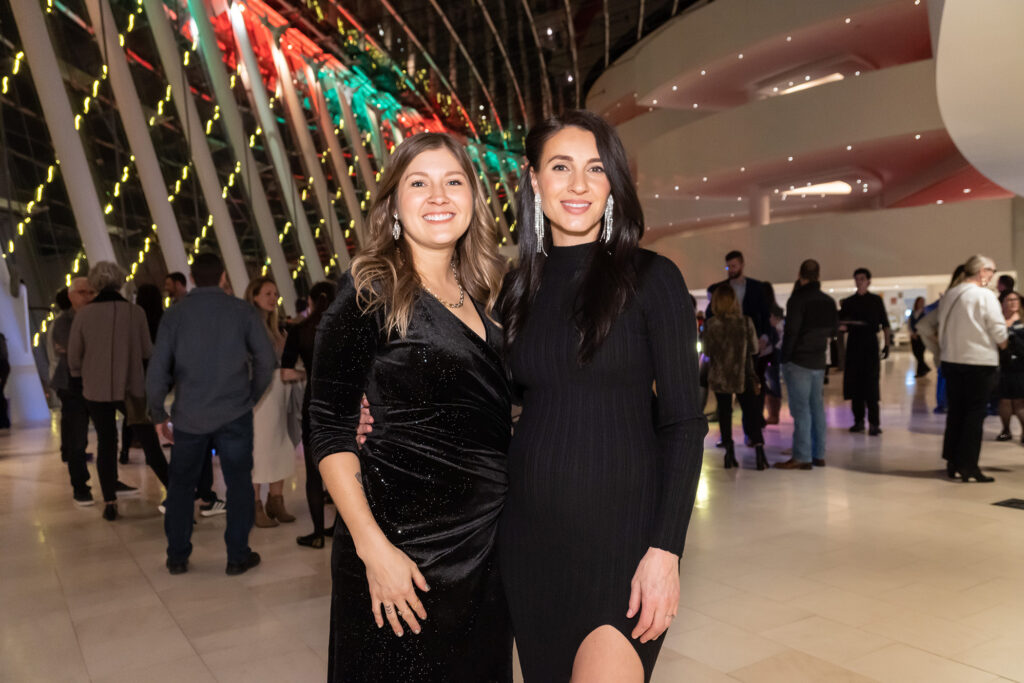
<point x="730" y="456"/>
<point x="762" y="461"/>
<point x="977" y="476"/>
<point x="313" y="540"/>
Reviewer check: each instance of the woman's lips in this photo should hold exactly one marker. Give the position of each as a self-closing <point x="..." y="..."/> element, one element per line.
<point x="575" y="208"/>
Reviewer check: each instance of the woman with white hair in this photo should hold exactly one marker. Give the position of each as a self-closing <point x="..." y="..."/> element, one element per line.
<point x="109" y="343"/>
<point x="971" y="332"/>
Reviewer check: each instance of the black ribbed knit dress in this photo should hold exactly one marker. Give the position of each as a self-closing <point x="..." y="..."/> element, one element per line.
<point x="600" y="469"/>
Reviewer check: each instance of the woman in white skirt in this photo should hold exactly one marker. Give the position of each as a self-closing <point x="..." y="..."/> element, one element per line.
<point x="273" y="453"/>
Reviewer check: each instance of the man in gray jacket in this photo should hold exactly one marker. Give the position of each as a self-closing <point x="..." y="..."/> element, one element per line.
<point x="213" y="349"/>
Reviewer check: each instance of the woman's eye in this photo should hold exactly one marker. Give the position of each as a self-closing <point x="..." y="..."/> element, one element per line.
<point x="416" y="183"/>
<point x="559" y="167"/>
<point x="596" y="169"/>
<point x="455" y="181"/>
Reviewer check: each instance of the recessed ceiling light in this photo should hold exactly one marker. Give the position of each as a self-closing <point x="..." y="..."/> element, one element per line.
<point x="967" y="190"/>
<point x="742" y="169"/>
<point x="697" y="197"/>
<point x="705" y="179"/>
<point x="655" y="101"/>
<point x="856" y="73"/>
<point x="848" y="20"/>
<point x="739" y="199"/>
<point x="677" y="188"/>
<point x="550" y="31"/>
<point x="789" y="158"/>
<point x="741" y="55"/>
<point x="675" y="87"/>
<point x="775" y="89"/>
<point x="789" y="39"/>
<point x="657" y="196"/>
<point x="858" y="181"/>
<point x="776" y="190"/>
<point x="694" y="105"/>
<point x="703" y="72"/>
<point x="849" y="147"/>
<point x="807" y="78"/>
<point x="939" y="202"/>
<point x="917" y="137"/>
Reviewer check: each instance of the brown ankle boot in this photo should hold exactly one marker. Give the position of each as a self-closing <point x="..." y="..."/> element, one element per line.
<point x="261" y="519"/>
<point x="774" y="404"/>
<point x="276" y="510"/>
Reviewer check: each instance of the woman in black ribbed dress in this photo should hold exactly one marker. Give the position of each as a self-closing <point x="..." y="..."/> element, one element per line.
<point x="605" y="459"/>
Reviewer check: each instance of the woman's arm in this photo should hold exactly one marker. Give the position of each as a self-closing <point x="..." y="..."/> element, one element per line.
<point x="680" y="426"/>
<point x="347" y="342"/>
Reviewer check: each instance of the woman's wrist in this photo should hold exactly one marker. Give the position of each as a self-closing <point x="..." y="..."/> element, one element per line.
<point x="369" y="540"/>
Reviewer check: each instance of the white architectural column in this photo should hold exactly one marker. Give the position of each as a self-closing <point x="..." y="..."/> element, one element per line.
<point x="760" y="206"/>
<point x="232" y="117"/>
<point x="134" y="120"/>
<point x="341" y="175"/>
<point x="25" y="393"/>
<point x="206" y="172"/>
<point x="308" y="152"/>
<point x="351" y="130"/>
<point x="46" y="75"/>
<point x="275" y="145"/>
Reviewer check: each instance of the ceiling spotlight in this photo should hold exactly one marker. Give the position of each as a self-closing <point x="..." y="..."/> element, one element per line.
<point x="742" y="169"/>
<point x="655" y="102"/>
<point x="967" y="190"/>
<point x="675" y="87"/>
<point x="677" y="188"/>
<point x="849" y="147"/>
<point x="848" y="20"/>
<point x="570" y="78"/>
<point x="697" y="197"/>
<point x="939" y="202"/>
<point x="789" y="39"/>
<point x="775" y="89"/>
<point x="917" y="137"/>
<point x="807" y="78"/>
<point x="657" y="196"/>
<point x="856" y="73"/>
<point x="703" y="72"/>
<point x="695" y="105"/>
<point x="704" y="179"/>
<point x="739" y="199"/>
<point x="789" y="158"/>
<point x="776" y="190"/>
<point x="858" y="181"/>
<point x="481" y="107"/>
<point x="741" y="55"/>
<point x="550" y="31"/>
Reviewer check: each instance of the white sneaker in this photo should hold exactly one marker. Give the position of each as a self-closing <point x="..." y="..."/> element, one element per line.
<point x="217" y="507"/>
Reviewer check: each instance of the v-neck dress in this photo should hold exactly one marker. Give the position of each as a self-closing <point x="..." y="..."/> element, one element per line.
<point x="435" y="476"/>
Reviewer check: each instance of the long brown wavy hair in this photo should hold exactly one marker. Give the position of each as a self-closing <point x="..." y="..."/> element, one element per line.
<point x="383" y="273"/>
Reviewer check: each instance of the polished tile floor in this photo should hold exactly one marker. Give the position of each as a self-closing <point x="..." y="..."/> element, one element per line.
<point x="873" y="568"/>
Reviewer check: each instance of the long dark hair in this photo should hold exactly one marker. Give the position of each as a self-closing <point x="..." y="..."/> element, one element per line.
<point x="610" y="278"/>
<point x="321" y="294"/>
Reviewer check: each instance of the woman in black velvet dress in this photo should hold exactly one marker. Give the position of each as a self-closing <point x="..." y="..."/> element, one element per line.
<point x="603" y="470"/>
<point x="410" y="326"/>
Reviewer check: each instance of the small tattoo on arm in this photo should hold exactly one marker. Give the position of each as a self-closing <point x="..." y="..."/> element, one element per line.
<point x="359" y="478"/>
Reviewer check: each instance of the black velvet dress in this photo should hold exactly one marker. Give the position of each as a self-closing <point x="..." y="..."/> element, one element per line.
<point x="434" y="472"/>
<point x="599" y="468"/>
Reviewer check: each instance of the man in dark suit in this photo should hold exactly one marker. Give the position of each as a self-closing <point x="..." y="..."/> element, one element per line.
<point x="755" y="302"/>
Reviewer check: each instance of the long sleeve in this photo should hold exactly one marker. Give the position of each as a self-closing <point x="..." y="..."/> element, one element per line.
<point x="346" y="344"/>
<point x="794" y="320"/>
<point x="264" y="358"/>
<point x="994" y="322"/>
<point x="159" y="375"/>
<point x="76" y="346"/>
<point x="679" y="422"/>
<point x="290" y="355"/>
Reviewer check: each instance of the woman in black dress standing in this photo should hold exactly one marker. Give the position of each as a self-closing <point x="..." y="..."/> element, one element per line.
<point x="410" y="326"/>
<point x="603" y="469"/>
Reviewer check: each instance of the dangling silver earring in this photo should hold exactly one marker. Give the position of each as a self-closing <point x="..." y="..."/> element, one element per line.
<point x="606" y="233"/>
<point x="538" y="223"/>
<point x="396" y="230"/>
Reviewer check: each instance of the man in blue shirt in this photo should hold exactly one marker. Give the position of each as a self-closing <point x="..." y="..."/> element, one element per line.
<point x="213" y="349"/>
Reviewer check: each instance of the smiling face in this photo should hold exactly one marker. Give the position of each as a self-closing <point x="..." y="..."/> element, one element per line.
<point x="572" y="185"/>
<point x="434" y="200"/>
<point x="266" y="298"/>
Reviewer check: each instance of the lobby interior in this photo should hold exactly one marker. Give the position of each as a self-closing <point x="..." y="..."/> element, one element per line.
<point x="861" y="133"/>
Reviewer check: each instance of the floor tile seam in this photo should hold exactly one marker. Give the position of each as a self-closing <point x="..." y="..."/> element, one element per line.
<point x="166" y="607"/>
<point x="844" y="662"/>
<point x="944" y="657"/>
<point x="71" y="620"/>
<point x="988" y="638"/>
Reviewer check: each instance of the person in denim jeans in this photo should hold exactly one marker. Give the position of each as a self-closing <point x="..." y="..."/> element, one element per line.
<point x="212" y="348"/>
<point x="812" y="321"/>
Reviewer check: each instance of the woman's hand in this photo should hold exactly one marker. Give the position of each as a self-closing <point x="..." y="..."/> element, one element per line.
<point x="365" y="422"/>
<point x="292" y="375"/>
<point x="654" y="594"/>
<point x="393" y="579"/>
